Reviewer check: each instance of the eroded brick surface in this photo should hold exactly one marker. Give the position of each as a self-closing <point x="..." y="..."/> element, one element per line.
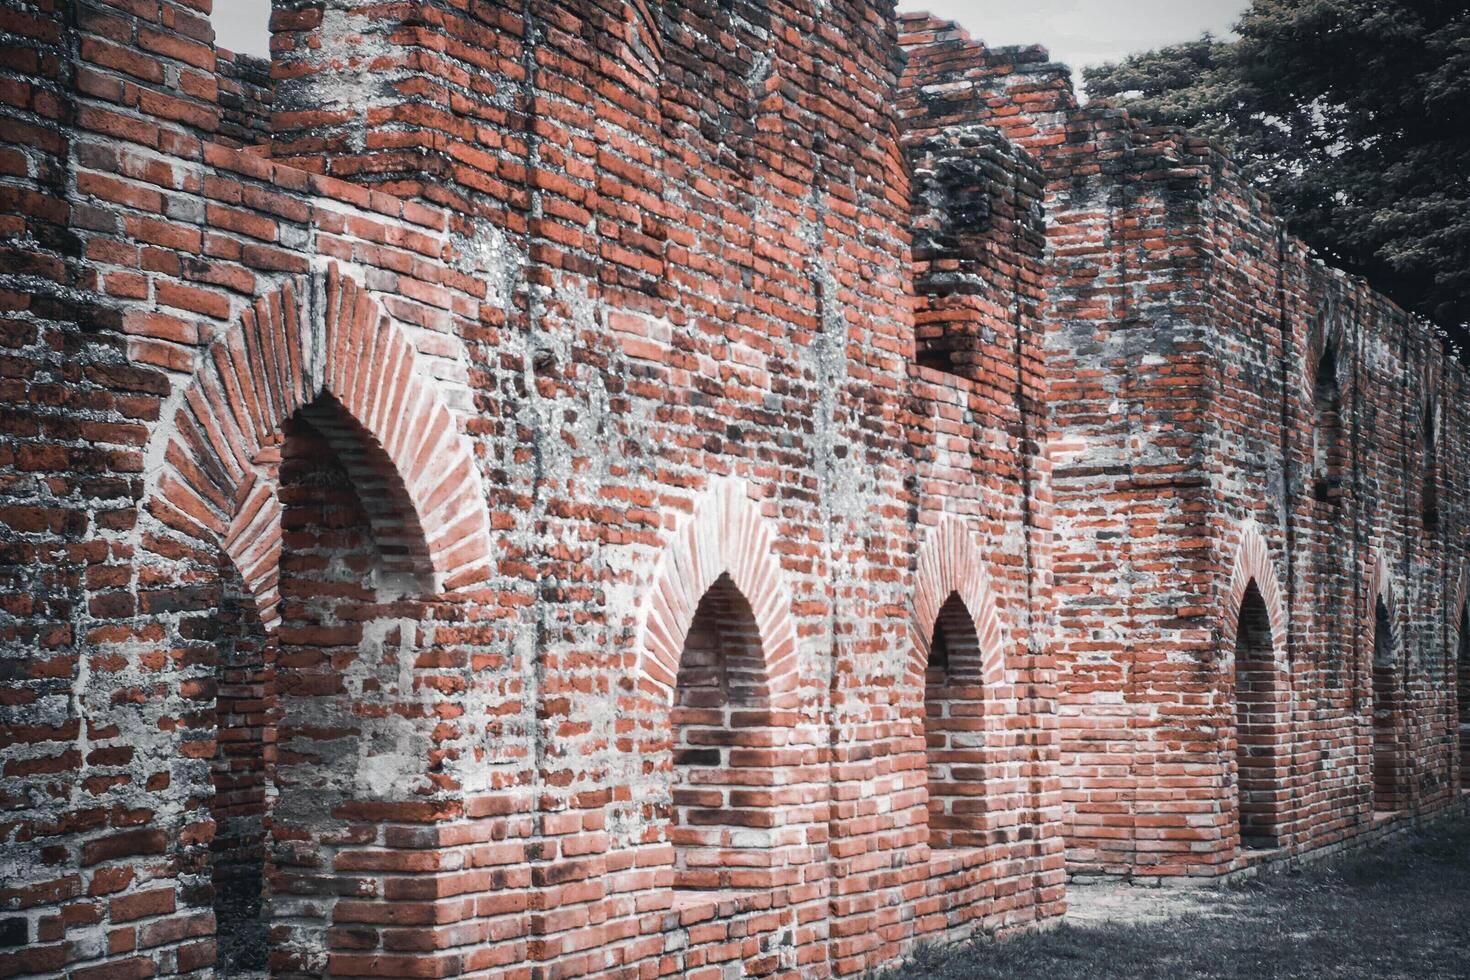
<point x="643" y="489"/>
<point x="1237" y="434"/>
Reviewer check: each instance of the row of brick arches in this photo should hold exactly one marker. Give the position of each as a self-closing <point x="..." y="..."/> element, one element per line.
<point x="322" y="569"/>
<point x="289" y="452"/>
<point x="1263" y="728"/>
<point x="735" y="761"/>
<point x="718" y="625"/>
<point x="1262" y="701"/>
<point x="297" y="525"/>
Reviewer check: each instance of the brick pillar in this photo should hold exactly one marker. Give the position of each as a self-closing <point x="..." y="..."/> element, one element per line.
<point x="38" y="654"/>
<point x="978" y="239"/>
<point x="421" y="99"/>
<point x="87" y="836"/>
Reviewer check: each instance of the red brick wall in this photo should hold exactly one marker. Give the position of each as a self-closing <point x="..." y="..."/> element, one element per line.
<point x="245" y="97"/>
<point x="361" y="492"/>
<point x="454" y="483"/>
<point x="1184" y="329"/>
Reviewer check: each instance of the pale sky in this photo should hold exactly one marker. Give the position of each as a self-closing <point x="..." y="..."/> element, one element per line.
<point x="1078" y="32"/>
<point x="243" y="26"/>
<point x="1086" y="32"/>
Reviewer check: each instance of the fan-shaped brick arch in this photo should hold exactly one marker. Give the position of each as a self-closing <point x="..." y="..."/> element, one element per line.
<point x="726" y="534"/>
<point x="1253" y="564"/>
<point x="323" y="347"/>
<point x="950" y="562"/>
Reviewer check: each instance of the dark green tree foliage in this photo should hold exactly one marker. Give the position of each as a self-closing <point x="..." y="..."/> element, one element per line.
<point x="1354" y="115"/>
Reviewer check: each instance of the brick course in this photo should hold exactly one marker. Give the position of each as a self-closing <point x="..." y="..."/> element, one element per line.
<point x="628" y="489"/>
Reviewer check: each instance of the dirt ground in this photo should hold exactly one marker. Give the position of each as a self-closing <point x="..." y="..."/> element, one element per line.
<point x="1401" y="910"/>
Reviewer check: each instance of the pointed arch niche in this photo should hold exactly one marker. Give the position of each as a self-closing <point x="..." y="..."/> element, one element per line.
<point x="308" y="472"/>
<point x="1260" y="726"/>
<point x="1389" y="764"/>
<point x="324" y="352"/>
<point x="718" y="653"/>
<point x="958" y="661"/>
<point x="1260" y="694"/>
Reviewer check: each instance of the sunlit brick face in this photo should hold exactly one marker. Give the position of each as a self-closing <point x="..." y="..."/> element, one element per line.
<point x="721" y="833"/>
<point x="954" y="730"/>
<point x="1260" y="727"/>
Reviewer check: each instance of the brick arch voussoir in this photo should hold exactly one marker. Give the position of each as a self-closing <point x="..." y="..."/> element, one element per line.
<point x="1253" y="564"/>
<point x="324" y="348"/>
<point x="725" y="534"/>
<point x="377" y="376"/>
<point x="950" y="561"/>
<point x="217" y="483"/>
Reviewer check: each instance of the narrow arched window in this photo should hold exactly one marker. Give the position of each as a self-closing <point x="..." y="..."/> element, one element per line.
<point x="954" y="730"/>
<point x="1429" y="499"/>
<point x="721" y="794"/>
<point x="1327" y="443"/>
<point x="1260" y="726"/>
<point x="1389" y="758"/>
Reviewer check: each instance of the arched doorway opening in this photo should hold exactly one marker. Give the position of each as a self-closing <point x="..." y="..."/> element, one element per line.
<point x="301" y="715"/>
<point x="954" y="730"/>
<point x="1260" y="726"/>
<point x="338" y="489"/>
<point x="1388" y="788"/>
<point x="722" y="813"/>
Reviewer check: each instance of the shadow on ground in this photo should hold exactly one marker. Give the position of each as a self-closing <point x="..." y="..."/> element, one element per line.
<point x="1402" y="911"/>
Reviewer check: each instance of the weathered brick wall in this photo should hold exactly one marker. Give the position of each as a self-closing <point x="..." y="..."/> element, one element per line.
<point x="621" y="488"/>
<point x="355" y="546"/>
<point x="978" y="244"/>
<point x="1184" y="332"/>
<point x="246" y="95"/>
<point x="1388" y="524"/>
